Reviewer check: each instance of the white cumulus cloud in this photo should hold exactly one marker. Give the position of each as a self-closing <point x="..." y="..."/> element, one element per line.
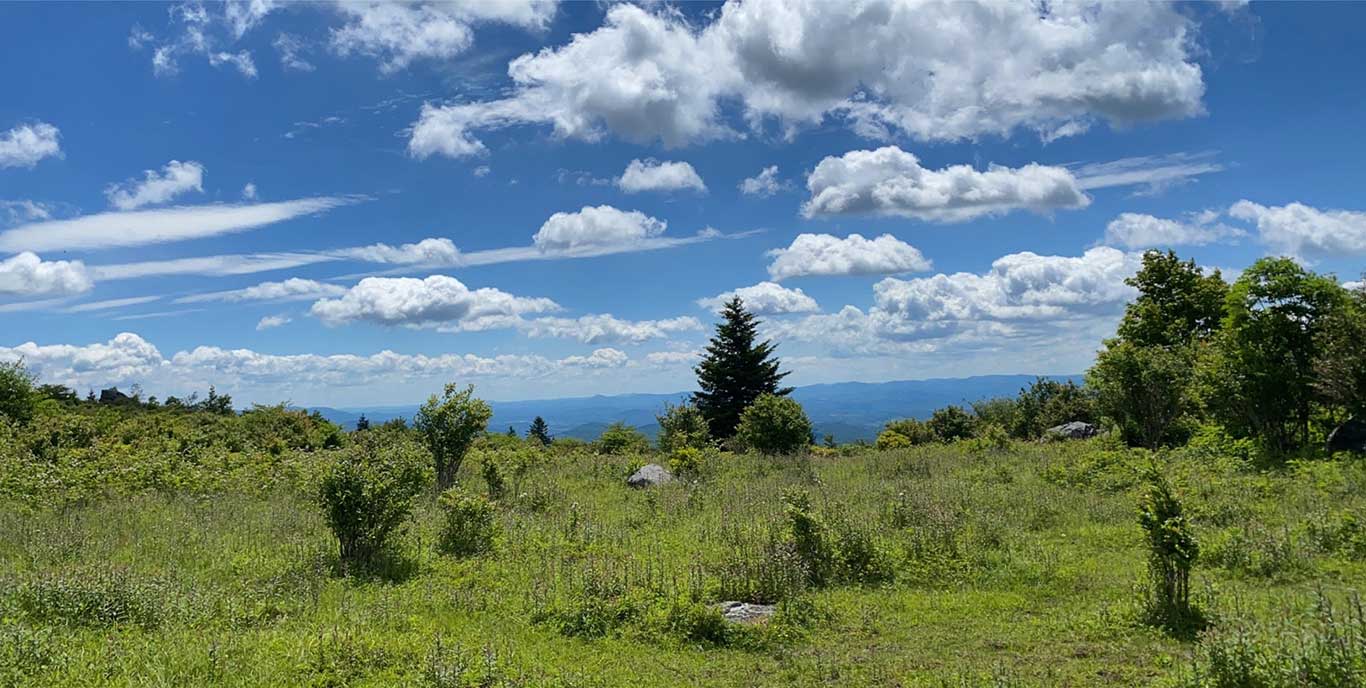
<point x="292" y="289"/>
<point x="436" y="300"/>
<point x="400" y="33"/>
<point x="27" y="275"/>
<point x="764" y="298"/>
<point x="599" y="329"/>
<point x="890" y="181"/>
<point x="824" y="254"/>
<point x="272" y="321"/>
<point x="25" y="145"/>
<point x="175" y="178"/>
<point x="653" y="175"/>
<point x="428" y="252"/>
<point x="764" y="184"/>
<point x="596" y="227"/>
<point x="930" y="70"/>
<point x="1304" y="231"/>
<point x="1136" y="231"/>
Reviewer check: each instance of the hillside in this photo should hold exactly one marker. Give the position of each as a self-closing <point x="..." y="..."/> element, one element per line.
<point x="850" y="411"/>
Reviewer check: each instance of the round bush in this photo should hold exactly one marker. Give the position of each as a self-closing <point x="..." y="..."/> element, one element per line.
<point x="774" y="425"/>
<point x="469" y="523"/>
<point x="368" y="491"/>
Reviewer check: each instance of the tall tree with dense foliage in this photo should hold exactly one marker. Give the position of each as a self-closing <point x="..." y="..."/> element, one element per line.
<point x="1177" y="302"/>
<point x="448" y="425"/>
<point x="1340" y="368"/>
<point x="539" y="431"/>
<point x="1260" y="380"/>
<point x="735" y="370"/>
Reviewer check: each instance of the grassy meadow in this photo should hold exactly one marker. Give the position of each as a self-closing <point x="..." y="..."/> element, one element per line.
<point x="963" y="564"/>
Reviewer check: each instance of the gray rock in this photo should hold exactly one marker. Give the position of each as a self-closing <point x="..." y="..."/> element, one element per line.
<point x="1076" y="430"/>
<point x="650" y="475"/>
<point x="1349" y="437"/>
<point x="746" y="613"/>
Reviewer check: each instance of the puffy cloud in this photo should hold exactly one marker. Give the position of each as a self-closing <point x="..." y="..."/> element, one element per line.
<point x="28" y="275"/>
<point x="600" y="358"/>
<point x="599" y="329"/>
<point x="26" y="144"/>
<point x="765" y="298"/>
<point x="21" y="211"/>
<point x="1300" y="230"/>
<point x="142" y="227"/>
<point x="428" y="252"/>
<point x="653" y="175"/>
<point x="176" y="178"/>
<point x="930" y="70"/>
<point x="672" y="358"/>
<point x="596" y="227"/>
<point x="764" y="184"/>
<point x="125" y="358"/>
<point x="1136" y="231"/>
<point x="890" y="181"/>
<point x="400" y="33"/>
<point x="272" y="321"/>
<point x="292" y="289"/>
<point x="824" y="254"/>
<point x="1354" y="286"/>
<point x="1024" y="297"/>
<point x="437" y="299"/>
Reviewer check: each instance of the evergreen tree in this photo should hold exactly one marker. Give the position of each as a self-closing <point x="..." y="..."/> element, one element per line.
<point x="539" y="431"/>
<point x="512" y="432"/>
<point x="362" y="423"/>
<point x="735" y="370"/>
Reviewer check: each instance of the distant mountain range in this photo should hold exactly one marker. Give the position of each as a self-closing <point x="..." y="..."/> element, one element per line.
<point x="848" y="410"/>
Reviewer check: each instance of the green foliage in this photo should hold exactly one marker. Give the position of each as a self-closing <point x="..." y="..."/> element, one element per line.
<point x="1172" y="551"/>
<point x="469" y="524"/>
<point x="999" y="411"/>
<point x="1340" y="368"/>
<point x="688" y="462"/>
<point x="367" y="493"/>
<point x="682" y="426"/>
<point x="774" y="425"/>
<point x="1047" y="403"/>
<point x="735" y="371"/>
<point x="1145" y="390"/>
<point x="493" y="476"/>
<point x="539" y="432"/>
<point x="620" y="439"/>
<point x="1259" y="377"/>
<point x="449" y="424"/>
<point x="98" y="598"/>
<point x="905" y="432"/>
<point x="1177" y="303"/>
<point x="952" y="423"/>
<point x="17" y="394"/>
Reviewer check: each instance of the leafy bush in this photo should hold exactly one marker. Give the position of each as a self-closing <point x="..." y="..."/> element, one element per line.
<point x="17" y="396"/>
<point x="367" y="493"/>
<point x="493" y="476"/>
<point x="774" y="425"/>
<point x="952" y="423"/>
<point x="449" y="425"/>
<point x="620" y="438"/>
<point x="1047" y="403"/>
<point x="891" y="439"/>
<point x="681" y="427"/>
<point x="809" y="538"/>
<point x="990" y="437"/>
<point x="688" y="462"/>
<point x="469" y="524"/>
<point x="1172" y="552"/>
<point x="1145" y="390"/>
<point x="915" y="431"/>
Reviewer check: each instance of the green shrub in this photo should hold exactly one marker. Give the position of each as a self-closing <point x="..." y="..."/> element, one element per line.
<point x="688" y="462"/>
<point x="682" y="427"/>
<point x="952" y="423"/>
<point x="891" y="439"/>
<point x="493" y="476"/>
<point x="469" y="524"/>
<point x="809" y="537"/>
<point x="17" y="396"/>
<point x="1172" y="551"/>
<point x="915" y="431"/>
<point x="774" y="425"/>
<point x="990" y="437"/>
<point x="367" y="492"/>
<point x="620" y="438"/>
<point x="25" y="653"/>
<point x="449" y="425"/>
<point x="1047" y="403"/>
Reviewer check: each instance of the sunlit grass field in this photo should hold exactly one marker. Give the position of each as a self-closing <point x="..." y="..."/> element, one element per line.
<point x="984" y="566"/>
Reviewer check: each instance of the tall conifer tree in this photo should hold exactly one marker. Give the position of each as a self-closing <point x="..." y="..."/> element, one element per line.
<point x="539" y="431"/>
<point x="735" y="370"/>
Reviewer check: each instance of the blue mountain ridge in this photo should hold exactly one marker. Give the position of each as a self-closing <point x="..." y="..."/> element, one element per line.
<point x="848" y="410"/>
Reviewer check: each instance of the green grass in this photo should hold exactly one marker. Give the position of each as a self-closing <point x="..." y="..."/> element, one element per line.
<point x="1006" y="568"/>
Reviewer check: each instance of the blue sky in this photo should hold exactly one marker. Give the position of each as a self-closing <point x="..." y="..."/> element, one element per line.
<point x="352" y="204"/>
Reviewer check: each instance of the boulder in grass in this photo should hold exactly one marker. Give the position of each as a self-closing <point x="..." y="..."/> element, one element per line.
<point x="1348" y="437"/>
<point x="650" y="475"/>
<point x="1075" y="430"/>
<point x="746" y="613"/>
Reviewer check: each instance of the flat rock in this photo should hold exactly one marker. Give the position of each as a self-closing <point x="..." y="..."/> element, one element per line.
<point x="1349" y="437"/>
<point x="746" y="613"/>
<point x="1075" y="430"/>
<point x="650" y="475"/>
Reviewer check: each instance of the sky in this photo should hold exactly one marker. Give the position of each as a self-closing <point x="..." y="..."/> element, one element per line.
<point x="352" y="204"/>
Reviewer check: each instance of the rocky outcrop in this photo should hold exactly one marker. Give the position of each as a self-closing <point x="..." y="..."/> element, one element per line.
<point x="746" y="613"/>
<point x="1076" y="430"/>
<point x="650" y="475"/>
